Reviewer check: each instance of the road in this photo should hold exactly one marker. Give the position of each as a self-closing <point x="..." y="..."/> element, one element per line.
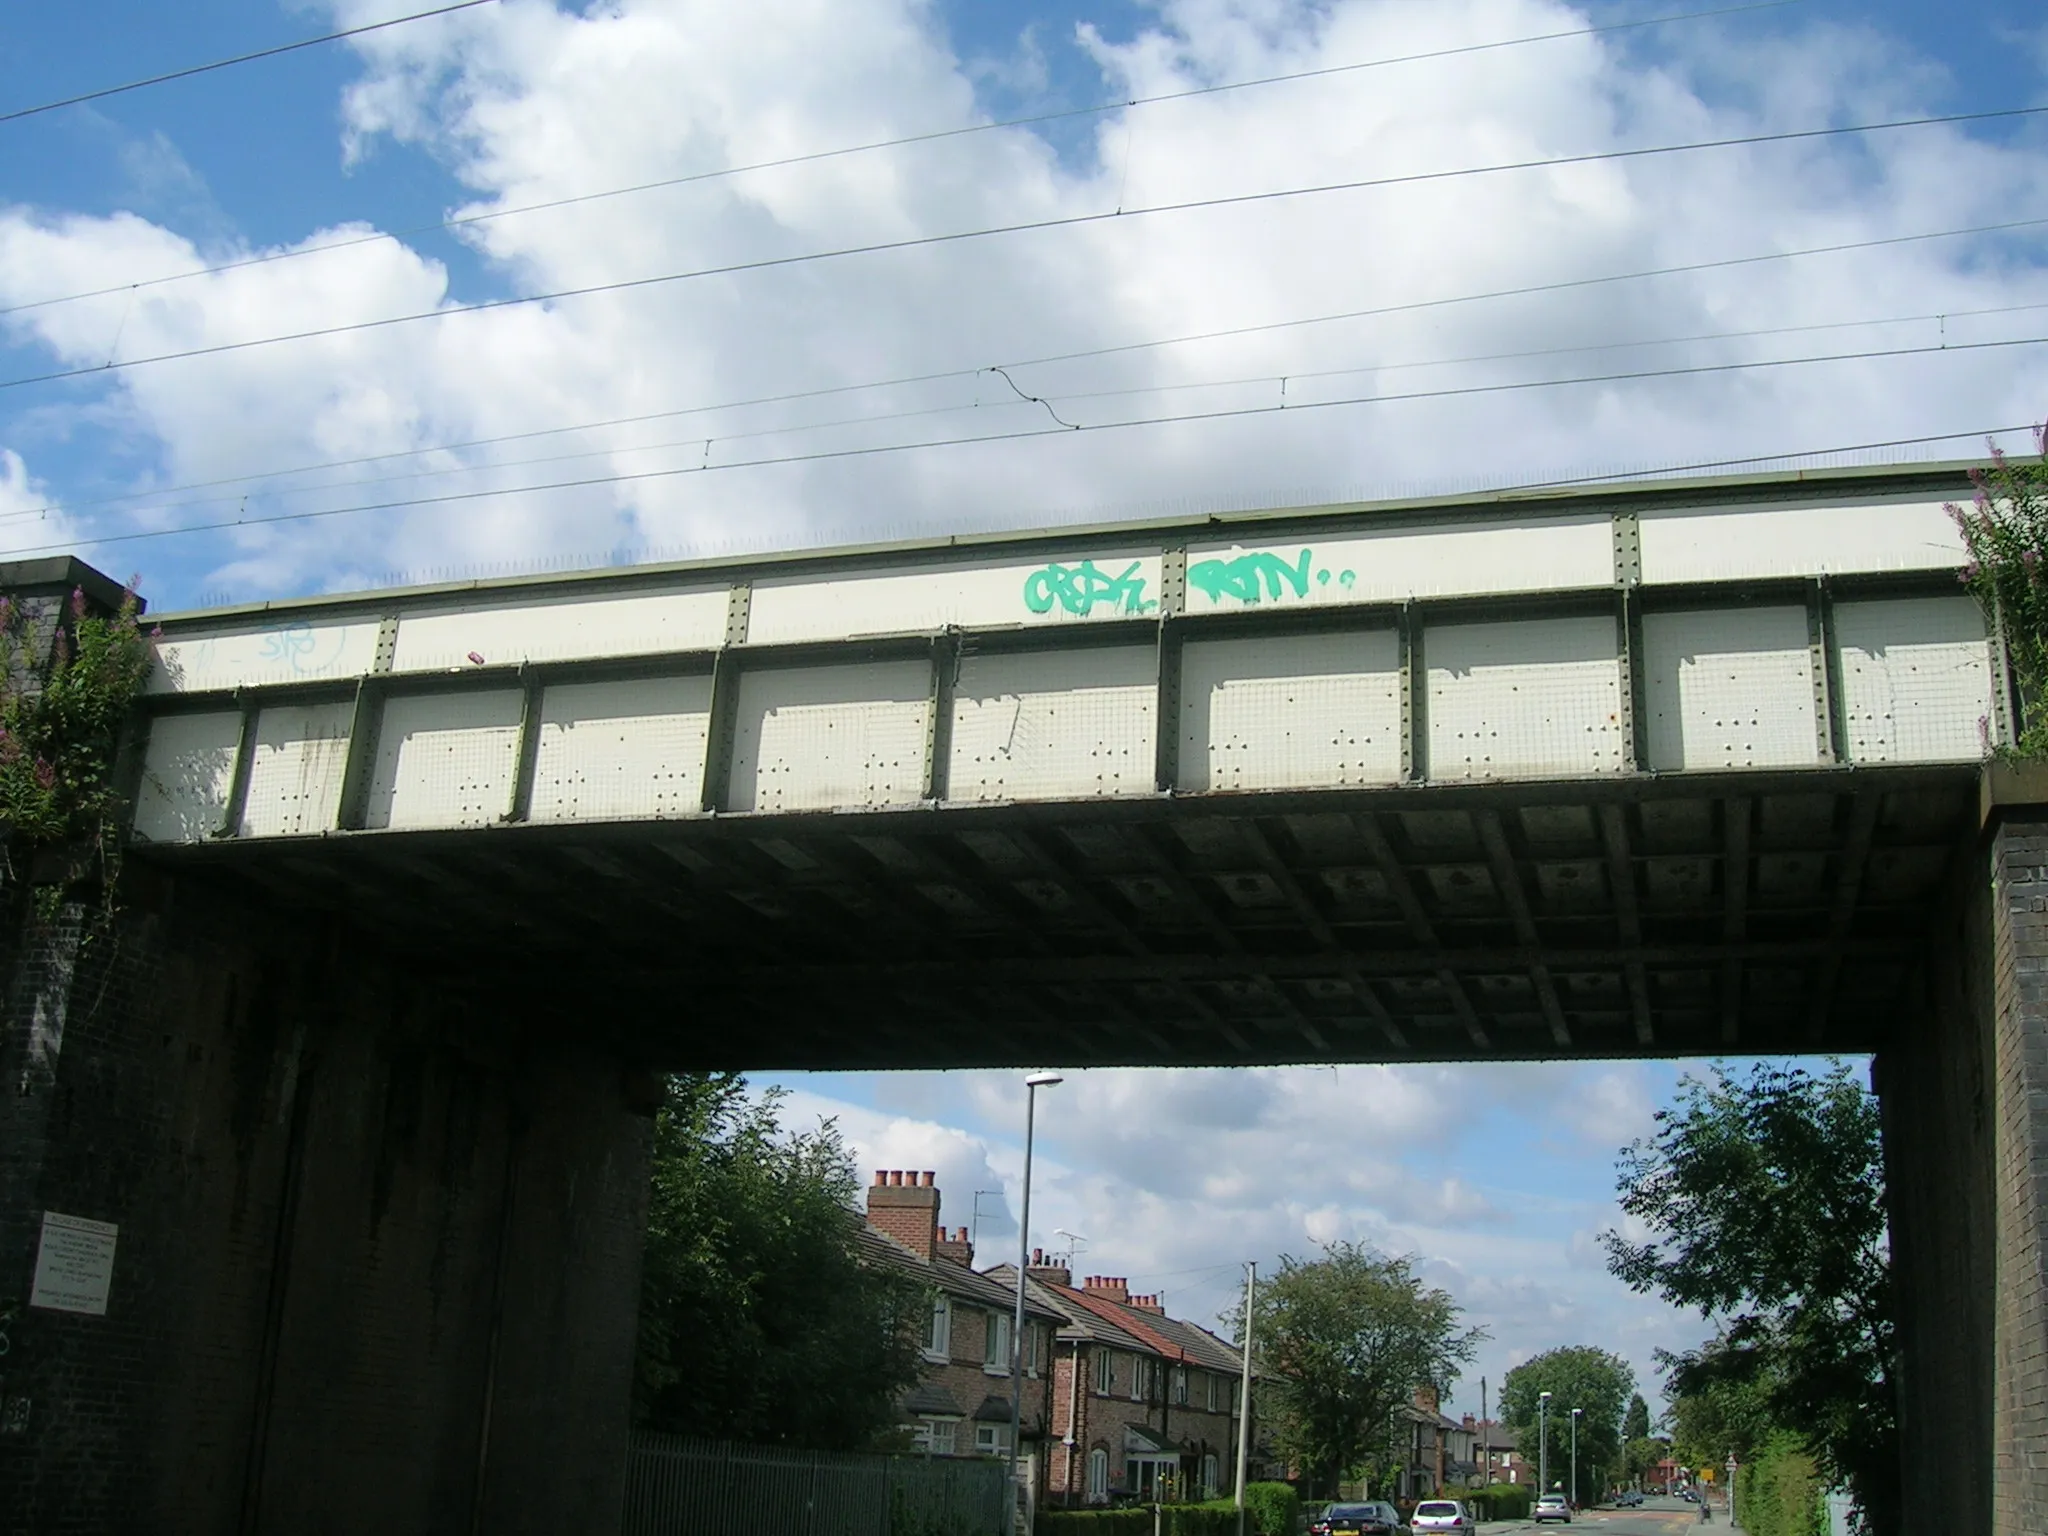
<point x="1659" y="1517"/>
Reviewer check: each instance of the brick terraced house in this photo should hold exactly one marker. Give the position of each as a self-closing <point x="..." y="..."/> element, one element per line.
<point x="1143" y="1405"/>
<point x="960" y="1405"/>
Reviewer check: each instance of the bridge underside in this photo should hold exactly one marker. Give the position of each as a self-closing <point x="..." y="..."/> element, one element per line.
<point x="1680" y="914"/>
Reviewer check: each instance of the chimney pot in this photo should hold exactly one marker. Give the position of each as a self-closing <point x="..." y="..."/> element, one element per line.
<point x="881" y="1176"/>
<point x="895" y="1175"/>
<point x="929" y="1178"/>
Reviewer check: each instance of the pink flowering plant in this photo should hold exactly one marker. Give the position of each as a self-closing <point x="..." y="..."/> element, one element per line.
<point x="61" y="715"/>
<point x="2005" y="534"/>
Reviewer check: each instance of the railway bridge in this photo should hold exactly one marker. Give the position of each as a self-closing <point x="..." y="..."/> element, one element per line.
<point x="425" y="887"/>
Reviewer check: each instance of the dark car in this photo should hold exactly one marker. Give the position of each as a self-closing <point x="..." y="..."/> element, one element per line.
<point x="1366" y="1519"/>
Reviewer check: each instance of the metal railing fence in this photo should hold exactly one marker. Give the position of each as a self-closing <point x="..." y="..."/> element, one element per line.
<point x="678" y="1487"/>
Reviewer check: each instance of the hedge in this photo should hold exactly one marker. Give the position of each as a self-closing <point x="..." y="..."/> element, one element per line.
<point x="1213" y="1519"/>
<point x="1779" y="1493"/>
<point x="1500" y="1501"/>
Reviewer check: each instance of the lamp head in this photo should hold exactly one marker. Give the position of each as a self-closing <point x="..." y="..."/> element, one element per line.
<point x="1542" y="1397"/>
<point x="1577" y="1411"/>
<point x="1043" y="1080"/>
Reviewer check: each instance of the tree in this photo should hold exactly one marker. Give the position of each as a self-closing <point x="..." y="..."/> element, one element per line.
<point x="758" y="1320"/>
<point x="1635" y="1424"/>
<point x="1576" y="1376"/>
<point x="1720" y="1405"/>
<point x="1764" y="1196"/>
<point x="1341" y="1344"/>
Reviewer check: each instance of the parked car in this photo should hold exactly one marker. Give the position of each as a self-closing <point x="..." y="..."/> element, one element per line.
<point x="1375" y="1518"/>
<point x="1442" y="1515"/>
<point x="1629" y="1499"/>
<point x="1316" y="1518"/>
<point x="1551" y="1506"/>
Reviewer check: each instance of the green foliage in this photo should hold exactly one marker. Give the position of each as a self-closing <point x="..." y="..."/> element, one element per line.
<point x="2006" y="532"/>
<point x="1272" y="1509"/>
<point x="1725" y="1407"/>
<point x="1575" y="1376"/>
<point x="61" y="718"/>
<point x="1342" y="1342"/>
<point x="1780" y="1493"/>
<point x="1765" y="1198"/>
<point x="1635" y="1424"/>
<point x="1500" y="1501"/>
<point x="758" y="1320"/>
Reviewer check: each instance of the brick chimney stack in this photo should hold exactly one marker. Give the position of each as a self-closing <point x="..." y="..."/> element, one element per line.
<point x="953" y="1244"/>
<point x="905" y="1206"/>
<point x="1113" y="1287"/>
<point x="1048" y="1271"/>
<point x="1148" y="1304"/>
<point x="1426" y="1398"/>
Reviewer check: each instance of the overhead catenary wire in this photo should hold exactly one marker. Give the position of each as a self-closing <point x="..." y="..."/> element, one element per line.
<point x="1068" y="397"/>
<point x="1028" y="226"/>
<point x="882" y="449"/>
<point x="491" y="215"/>
<point x="1525" y="290"/>
<point x="187" y="73"/>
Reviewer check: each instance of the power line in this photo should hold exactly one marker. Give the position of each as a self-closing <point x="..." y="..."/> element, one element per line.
<point x="1522" y="291"/>
<point x="935" y="135"/>
<point x="1068" y="221"/>
<point x="1181" y="418"/>
<point x="1070" y="397"/>
<point x="241" y="58"/>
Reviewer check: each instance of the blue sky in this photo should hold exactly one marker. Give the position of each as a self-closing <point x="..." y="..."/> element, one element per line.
<point x="1498" y="1178"/>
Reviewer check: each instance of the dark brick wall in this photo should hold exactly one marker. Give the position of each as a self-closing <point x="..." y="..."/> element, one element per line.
<point x="2019" y="1057"/>
<point x="325" y="1314"/>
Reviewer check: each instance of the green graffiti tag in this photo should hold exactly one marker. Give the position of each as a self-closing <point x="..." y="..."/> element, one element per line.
<point x="1080" y="589"/>
<point x="1261" y="574"/>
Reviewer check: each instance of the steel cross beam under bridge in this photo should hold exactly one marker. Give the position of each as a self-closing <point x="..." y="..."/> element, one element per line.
<point x="1660" y="768"/>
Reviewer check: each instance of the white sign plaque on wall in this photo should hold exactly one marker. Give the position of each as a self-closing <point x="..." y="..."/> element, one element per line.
<point x="74" y="1264"/>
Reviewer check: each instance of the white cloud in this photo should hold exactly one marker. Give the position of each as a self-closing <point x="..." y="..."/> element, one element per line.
<point x="526" y="103"/>
<point x="27" y="516"/>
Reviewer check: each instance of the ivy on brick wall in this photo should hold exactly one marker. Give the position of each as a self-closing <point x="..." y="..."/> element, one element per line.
<point x="2005" y="532"/>
<point x="68" y="678"/>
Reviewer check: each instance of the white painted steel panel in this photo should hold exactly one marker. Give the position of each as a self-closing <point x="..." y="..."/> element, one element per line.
<point x="293" y="652"/>
<point x="445" y="760"/>
<point x="1291" y="712"/>
<point x="821" y="738"/>
<point x="1815" y="539"/>
<point x="1054" y="725"/>
<point x="560" y="629"/>
<point x="1916" y="680"/>
<point x="1461" y="559"/>
<point x="295" y="773"/>
<point x="186" y="774"/>
<point x="622" y="750"/>
<point x="1117" y="584"/>
<point x="1524" y="697"/>
<point x="1729" y="688"/>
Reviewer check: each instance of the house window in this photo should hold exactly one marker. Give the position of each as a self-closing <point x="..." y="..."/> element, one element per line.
<point x="937" y="1437"/>
<point x="1214" y="1384"/>
<point x="938" y="1333"/>
<point x="1105" y="1377"/>
<point x="1180" y="1385"/>
<point x="995" y="1354"/>
<point x="1098" y="1475"/>
<point x="1141" y="1378"/>
<point x="1209" y="1476"/>
<point x="992" y="1439"/>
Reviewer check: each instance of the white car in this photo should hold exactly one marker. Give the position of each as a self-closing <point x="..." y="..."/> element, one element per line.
<point x="1552" y="1506"/>
<point x="1442" y="1515"/>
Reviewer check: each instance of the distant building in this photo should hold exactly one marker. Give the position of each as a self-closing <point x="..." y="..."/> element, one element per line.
<point x="1499" y="1454"/>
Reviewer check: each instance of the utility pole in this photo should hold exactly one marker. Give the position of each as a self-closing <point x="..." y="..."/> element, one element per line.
<point x="1485" y="1434"/>
<point x="1244" y="1391"/>
<point x="1574" y="1500"/>
<point x="1542" y="1443"/>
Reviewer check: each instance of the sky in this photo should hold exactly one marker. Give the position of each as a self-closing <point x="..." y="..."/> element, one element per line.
<point x="165" y="253"/>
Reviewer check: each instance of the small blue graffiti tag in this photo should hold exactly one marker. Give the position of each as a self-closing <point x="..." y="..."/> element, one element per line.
<point x="1261" y="574"/>
<point x="296" y="646"/>
<point x="1080" y="589"/>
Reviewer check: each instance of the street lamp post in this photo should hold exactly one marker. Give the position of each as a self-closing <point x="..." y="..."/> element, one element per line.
<point x="1543" y="1442"/>
<point x="1032" y="1084"/>
<point x="1575" y="1456"/>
